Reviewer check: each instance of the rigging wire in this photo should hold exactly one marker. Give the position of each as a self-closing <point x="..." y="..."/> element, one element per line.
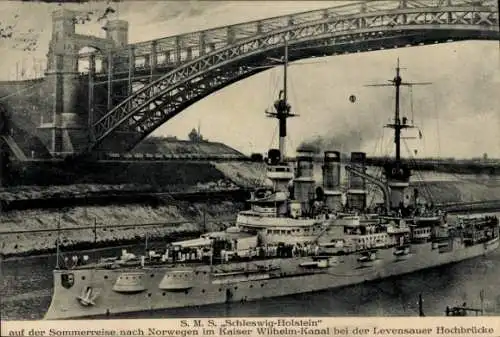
<point x="276" y="86"/>
<point x="426" y="187"/>
<point x="387" y="148"/>
<point x="410" y="89"/>
<point x="272" y="84"/>
<point x="438" y="127"/>
<point x="423" y="138"/>
<point x="373" y="188"/>
<point x="292" y="91"/>
<point x="297" y="108"/>
<point x="291" y="142"/>
<point x="454" y="172"/>
<point x="379" y="171"/>
<point x="420" y="175"/>
<point x="411" y="155"/>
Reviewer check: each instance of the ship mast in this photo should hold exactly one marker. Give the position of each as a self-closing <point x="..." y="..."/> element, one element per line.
<point x="397" y="173"/>
<point x="397" y="125"/>
<point x="282" y="107"/>
<point x="397" y="122"/>
<point x="282" y="120"/>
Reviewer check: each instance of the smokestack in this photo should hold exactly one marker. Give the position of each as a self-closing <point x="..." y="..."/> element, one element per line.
<point x="304" y="164"/>
<point x="356" y="195"/>
<point x="331" y="180"/>
<point x="303" y="184"/>
<point x="331" y="170"/>
<point x="358" y="162"/>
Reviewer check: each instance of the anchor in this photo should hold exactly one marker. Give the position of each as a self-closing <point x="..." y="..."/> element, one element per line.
<point x="88" y="296"/>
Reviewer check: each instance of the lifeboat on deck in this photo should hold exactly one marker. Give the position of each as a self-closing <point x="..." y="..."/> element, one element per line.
<point x="323" y="263"/>
<point x="402" y="253"/>
<point x="367" y="258"/>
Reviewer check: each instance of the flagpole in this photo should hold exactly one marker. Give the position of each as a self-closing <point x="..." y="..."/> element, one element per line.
<point x="57" y="241"/>
<point x="481" y="295"/>
<point x="22" y="69"/>
<point x="420" y="306"/>
<point x="95" y="231"/>
<point x="211" y="256"/>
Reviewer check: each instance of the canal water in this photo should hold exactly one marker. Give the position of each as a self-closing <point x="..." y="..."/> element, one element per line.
<point x="26" y="285"/>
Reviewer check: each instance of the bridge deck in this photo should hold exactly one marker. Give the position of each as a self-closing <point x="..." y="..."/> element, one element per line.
<point x="196" y="64"/>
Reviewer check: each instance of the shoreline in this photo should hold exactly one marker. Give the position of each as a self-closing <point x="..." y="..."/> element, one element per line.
<point x="34" y="232"/>
<point x="86" y="246"/>
<point x="114" y="243"/>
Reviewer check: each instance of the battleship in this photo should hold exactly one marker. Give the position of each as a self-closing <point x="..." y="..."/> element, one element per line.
<point x="296" y="237"/>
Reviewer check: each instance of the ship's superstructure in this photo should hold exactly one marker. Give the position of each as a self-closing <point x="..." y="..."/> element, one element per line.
<point x="297" y="236"/>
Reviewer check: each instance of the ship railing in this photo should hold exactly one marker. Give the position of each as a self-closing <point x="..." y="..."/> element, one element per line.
<point x="397" y="230"/>
<point x="312" y="251"/>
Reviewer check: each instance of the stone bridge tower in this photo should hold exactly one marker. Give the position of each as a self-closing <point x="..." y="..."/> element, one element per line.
<point x="64" y="123"/>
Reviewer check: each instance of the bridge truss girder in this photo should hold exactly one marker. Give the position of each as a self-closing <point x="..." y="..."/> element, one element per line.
<point x="162" y="99"/>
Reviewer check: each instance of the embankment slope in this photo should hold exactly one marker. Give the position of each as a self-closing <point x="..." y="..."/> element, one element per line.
<point x="113" y="224"/>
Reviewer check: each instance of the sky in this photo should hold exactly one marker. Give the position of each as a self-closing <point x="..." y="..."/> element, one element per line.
<point x="458" y="114"/>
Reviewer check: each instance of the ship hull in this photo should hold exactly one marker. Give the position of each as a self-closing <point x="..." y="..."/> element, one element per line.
<point x="203" y="289"/>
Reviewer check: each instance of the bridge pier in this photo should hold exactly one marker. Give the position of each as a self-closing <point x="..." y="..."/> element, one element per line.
<point x="201" y="43"/>
<point x="154" y="57"/>
<point x="64" y="127"/>
<point x="177" y="51"/>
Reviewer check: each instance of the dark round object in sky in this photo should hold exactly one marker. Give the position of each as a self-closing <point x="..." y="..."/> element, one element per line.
<point x="352" y="98"/>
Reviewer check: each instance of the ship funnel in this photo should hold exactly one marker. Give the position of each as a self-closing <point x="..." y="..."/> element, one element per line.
<point x="331" y="180"/>
<point x="331" y="170"/>
<point x="356" y="194"/>
<point x="304" y="164"/>
<point x="303" y="184"/>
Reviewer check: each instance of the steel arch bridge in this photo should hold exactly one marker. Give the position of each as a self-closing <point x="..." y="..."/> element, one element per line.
<point x="358" y="27"/>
